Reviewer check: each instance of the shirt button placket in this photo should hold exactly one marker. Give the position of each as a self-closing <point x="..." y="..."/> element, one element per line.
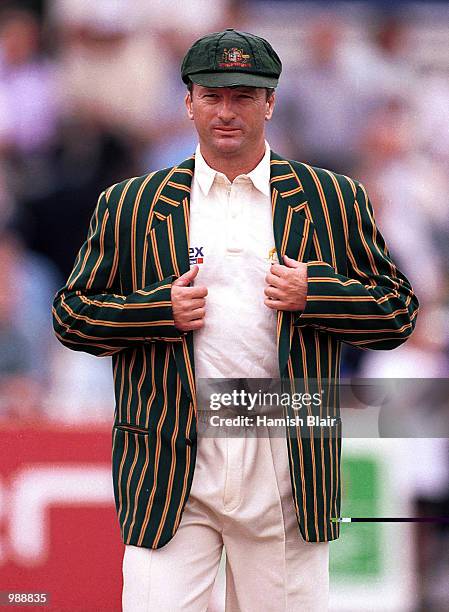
<point x="233" y="229"/>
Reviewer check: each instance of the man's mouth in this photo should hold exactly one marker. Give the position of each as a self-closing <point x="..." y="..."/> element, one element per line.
<point x="227" y="129"/>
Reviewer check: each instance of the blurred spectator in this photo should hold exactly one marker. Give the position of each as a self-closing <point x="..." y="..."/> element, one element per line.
<point x="192" y="18"/>
<point x="27" y="285"/>
<point x="55" y="224"/>
<point x="379" y="62"/>
<point x="29" y="108"/>
<point x="422" y="356"/>
<point x="112" y="73"/>
<point x="80" y="390"/>
<point x="392" y="163"/>
<point x="431" y="101"/>
<point x="28" y="100"/>
<point x="162" y="151"/>
<point x="322" y="101"/>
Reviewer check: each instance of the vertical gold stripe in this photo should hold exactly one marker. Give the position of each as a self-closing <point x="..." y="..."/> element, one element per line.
<point x="190" y="373"/>
<point x="122" y="382"/>
<point x="140" y="383"/>
<point x="341" y="204"/>
<point x="91" y="233"/>
<point x="323" y="465"/>
<point x="316" y="242"/>
<point x="101" y="254"/>
<point x="298" y="436"/>
<point x="130" y="385"/>
<point x="171" y="241"/>
<point x="337" y="439"/>
<point x="304" y="239"/>
<point x="143" y="473"/>
<point x="128" y="483"/>
<point x="301" y="450"/>
<point x="329" y="378"/>
<point x="312" y="441"/>
<point x="133" y="230"/>
<point x="185" y="204"/>
<point x="288" y="222"/>
<point x="109" y="191"/>
<point x="186" y="472"/>
<point x="362" y="238"/>
<point x="168" y="497"/>
<point x="153" y="385"/>
<point x="325" y="212"/>
<point x="274" y="197"/>
<point x="150" y="218"/>
<point x="117" y="231"/>
<point x="158" y="449"/>
<point x="120" y="472"/>
<point x="156" y="256"/>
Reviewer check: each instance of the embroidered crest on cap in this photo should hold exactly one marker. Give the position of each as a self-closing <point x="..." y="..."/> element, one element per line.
<point x="234" y="58"/>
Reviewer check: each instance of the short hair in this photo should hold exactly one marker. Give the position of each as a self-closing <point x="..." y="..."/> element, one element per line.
<point x="269" y="90"/>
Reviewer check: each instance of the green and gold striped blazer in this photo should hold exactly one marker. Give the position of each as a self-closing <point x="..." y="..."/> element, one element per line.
<point x="117" y="302"/>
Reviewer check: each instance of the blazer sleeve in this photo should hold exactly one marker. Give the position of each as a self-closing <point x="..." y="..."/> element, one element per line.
<point x="89" y="312"/>
<point x="374" y="307"/>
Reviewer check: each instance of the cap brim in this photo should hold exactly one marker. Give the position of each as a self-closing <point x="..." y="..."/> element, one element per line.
<point x="232" y="79"/>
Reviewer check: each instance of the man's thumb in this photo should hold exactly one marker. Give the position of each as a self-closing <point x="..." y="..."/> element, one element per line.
<point x="186" y="278"/>
<point x="291" y="263"/>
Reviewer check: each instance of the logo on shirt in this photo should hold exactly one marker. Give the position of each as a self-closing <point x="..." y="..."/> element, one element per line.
<point x="272" y="256"/>
<point x="196" y="255"/>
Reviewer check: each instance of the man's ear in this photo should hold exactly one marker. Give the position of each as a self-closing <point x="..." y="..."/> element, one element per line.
<point x="189" y="105"/>
<point x="270" y="106"/>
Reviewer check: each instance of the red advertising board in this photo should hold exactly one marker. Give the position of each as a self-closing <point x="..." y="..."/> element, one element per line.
<point x="58" y="528"/>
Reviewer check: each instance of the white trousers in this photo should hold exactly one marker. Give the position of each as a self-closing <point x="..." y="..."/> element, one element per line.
<point x="241" y="498"/>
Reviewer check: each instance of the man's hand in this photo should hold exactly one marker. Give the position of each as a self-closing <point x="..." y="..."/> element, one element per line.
<point x="188" y="303"/>
<point x="287" y="285"/>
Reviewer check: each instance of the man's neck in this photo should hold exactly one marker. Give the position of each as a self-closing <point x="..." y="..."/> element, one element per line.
<point x="232" y="167"/>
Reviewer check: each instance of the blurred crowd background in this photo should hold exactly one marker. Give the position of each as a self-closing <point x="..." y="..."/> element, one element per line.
<point x="90" y="94"/>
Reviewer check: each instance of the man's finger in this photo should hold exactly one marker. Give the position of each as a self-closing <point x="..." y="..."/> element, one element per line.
<point x="272" y="292"/>
<point x="278" y="270"/>
<point x="197" y="303"/>
<point x="291" y="263"/>
<point x="196" y="324"/>
<point x="273" y="304"/>
<point x="186" y="278"/>
<point x="272" y="279"/>
<point x="195" y="292"/>
<point x="197" y="313"/>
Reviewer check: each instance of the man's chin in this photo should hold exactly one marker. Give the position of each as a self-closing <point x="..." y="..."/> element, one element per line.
<point x="228" y="144"/>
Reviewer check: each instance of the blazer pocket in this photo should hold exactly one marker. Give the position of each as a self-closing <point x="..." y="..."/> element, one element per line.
<point x="132" y="428"/>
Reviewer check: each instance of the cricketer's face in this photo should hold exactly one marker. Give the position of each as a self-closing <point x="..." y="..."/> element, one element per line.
<point x="229" y="120"/>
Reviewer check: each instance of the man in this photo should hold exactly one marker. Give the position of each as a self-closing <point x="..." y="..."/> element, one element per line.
<point x="227" y="311"/>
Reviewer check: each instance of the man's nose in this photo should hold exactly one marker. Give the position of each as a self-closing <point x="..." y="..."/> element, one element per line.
<point x="226" y="111"/>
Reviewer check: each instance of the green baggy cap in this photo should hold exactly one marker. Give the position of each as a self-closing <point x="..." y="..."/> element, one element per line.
<point x="231" y="58"/>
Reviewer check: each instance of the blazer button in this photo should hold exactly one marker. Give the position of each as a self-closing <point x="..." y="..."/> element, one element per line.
<point x="189" y="442"/>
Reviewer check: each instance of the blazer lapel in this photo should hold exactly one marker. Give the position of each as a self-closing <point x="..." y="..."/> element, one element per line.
<point x="169" y="251"/>
<point x="293" y="234"/>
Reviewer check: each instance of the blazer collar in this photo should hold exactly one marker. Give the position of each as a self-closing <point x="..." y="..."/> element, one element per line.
<point x="285" y="186"/>
<point x="259" y="176"/>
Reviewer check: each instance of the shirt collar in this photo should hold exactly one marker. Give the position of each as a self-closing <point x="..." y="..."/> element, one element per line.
<point x="259" y="176"/>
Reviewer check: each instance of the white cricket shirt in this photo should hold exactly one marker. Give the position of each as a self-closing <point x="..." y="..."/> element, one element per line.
<point x="231" y="235"/>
